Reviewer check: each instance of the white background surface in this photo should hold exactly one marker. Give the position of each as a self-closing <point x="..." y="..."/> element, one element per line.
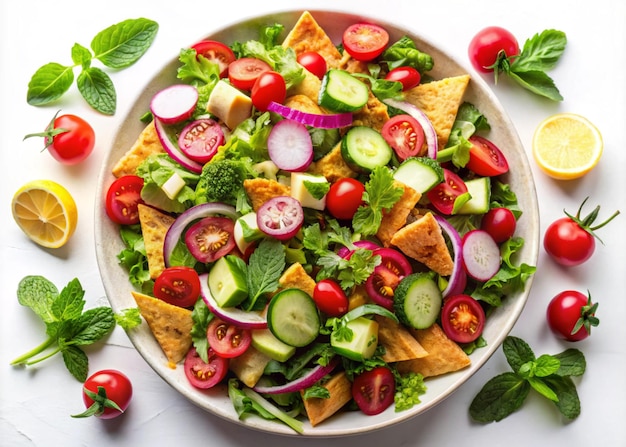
<point x="35" y="403"/>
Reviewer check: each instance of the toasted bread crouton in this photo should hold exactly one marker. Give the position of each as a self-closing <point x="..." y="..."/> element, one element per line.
<point x="171" y="326"/>
<point x="303" y="103"/>
<point x="423" y="241"/>
<point x="319" y="409"/>
<point x="398" y="342"/>
<point x="373" y="114"/>
<point x="309" y="87"/>
<point x="444" y="355"/>
<point x="147" y="143"/>
<point x="154" y="226"/>
<point x="440" y="101"/>
<point x="395" y="218"/>
<point x="249" y="366"/>
<point x="260" y="190"/>
<point x="349" y="64"/>
<point x="307" y="35"/>
<point x="332" y="166"/>
<point x="296" y="277"/>
<point x="358" y="297"/>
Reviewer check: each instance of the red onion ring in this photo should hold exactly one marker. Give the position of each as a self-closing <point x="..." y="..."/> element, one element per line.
<point x="458" y="278"/>
<point x="321" y="121"/>
<point x="427" y="125"/>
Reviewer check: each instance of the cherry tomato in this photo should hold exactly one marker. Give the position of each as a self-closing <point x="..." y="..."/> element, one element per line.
<point x="409" y="77"/>
<point x="210" y="238"/>
<point x="217" y="53"/>
<point x="200" y="139"/>
<point x="489" y="46"/>
<point x="500" y="223"/>
<point x="571" y="314"/>
<point x="227" y="340"/>
<point x="280" y="217"/>
<point x="486" y="158"/>
<point x="313" y="62"/>
<point x="330" y="298"/>
<point x="69" y="139"/>
<point x="269" y="86"/>
<point x="365" y="41"/>
<point x="462" y="318"/>
<point x="373" y="390"/>
<point x="443" y="195"/>
<point x="122" y="199"/>
<point x="205" y="375"/>
<point x="243" y="72"/>
<point x="178" y="285"/>
<point x="382" y="283"/>
<point x="104" y="387"/>
<point x="344" y="197"/>
<point x="405" y="135"/>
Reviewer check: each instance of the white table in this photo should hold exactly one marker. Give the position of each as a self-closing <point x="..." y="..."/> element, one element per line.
<point x="35" y="404"/>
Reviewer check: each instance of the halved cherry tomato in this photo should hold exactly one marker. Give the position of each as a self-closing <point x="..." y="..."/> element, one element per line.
<point x="210" y="238"/>
<point x="178" y="285"/>
<point x="330" y="298"/>
<point x="365" y="41"/>
<point x="280" y="217"/>
<point x="200" y="139"/>
<point x="500" y="223"/>
<point x="443" y="195"/>
<point x="269" y="86"/>
<point x="344" y="197"/>
<point x="486" y="158"/>
<point x="382" y="283"/>
<point x="374" y="390"/>
<point x="216" y="52"/>
<point x="227" y="340"/>
<point x="243" y="72"/>
<point x="405" y="135"/>
<point x="122" y="199"/>
<point x="205" y="375"/>
<point x="117" y="388"/>
<point x="462" y="318"/>
<point x="313" y="62"/>
<point x="409" y="77"/>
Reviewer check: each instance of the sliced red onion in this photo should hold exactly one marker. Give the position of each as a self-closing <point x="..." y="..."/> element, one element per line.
<point x="232" y="315"/>
<point x="175" y="103"/>
<point x="458" y="278"/>
<point x="427" y="125"/>
<point x="172" y="148"/>
<point x="175" y="232"/>
<point x="306" y="381"/>
<point x="289" y="146"/>
<point x="321" y="121"/>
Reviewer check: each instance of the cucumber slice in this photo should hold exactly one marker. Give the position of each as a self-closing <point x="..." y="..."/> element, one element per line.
<point x="342" y="92"/>
<point x="227" y="283"/>
<point x="419" y="173"/>
<point x="364" y="149"/>
<point x="480" y="190"/>
<point x="417" y="300"/>
<point x="293" y="318"/>
<point x="264" y="341"/>
<point x="363" y="343"/>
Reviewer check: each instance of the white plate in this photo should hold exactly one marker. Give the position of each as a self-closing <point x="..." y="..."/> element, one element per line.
<point x="499" y="324"/>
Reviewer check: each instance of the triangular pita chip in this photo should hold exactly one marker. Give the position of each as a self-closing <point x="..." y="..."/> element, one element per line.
<point x="147" y="143"/>
<point x="307" y="35"/>
<point x="398" y="342"/>
<point x="395" y="218"/>
<point x="154" y="226"/>
<point x="319" y="409"/>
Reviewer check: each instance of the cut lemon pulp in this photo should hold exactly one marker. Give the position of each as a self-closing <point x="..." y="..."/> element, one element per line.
<point x="567" y="146"/>
<point x="46" y="212"/>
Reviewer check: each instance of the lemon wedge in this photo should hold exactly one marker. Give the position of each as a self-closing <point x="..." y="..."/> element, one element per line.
<point x="46" y="212"/>
<point x="567" y="146"/>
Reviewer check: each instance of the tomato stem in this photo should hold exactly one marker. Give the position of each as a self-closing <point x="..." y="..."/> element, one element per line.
<point x="587" y="222"/>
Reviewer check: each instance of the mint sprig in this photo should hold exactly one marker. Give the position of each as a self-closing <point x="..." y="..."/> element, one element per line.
<point x="117" y="47"/>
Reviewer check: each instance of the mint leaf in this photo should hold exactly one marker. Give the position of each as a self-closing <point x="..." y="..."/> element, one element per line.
<point x="265" y="266"/>
<point x="81" y="56"/>
<point x="537" y="82"/>
<point x="37" y="293"/>
<point x="76" y="362"/>
<point x="517" y="352"/>
<point x="122" y="44"/>
<point x="98" y="90"/>
<point x="572" y="363"/>
<point x="568" y="401"/>
<point x="70" y="303"/>
<point x="540" y="386"/>
<point x="499" y="397"/>
<point x="92" y="325"/>
<point x="541" y="52"/>
<point x="49" y="83"/>
<point x="546" y="365"/>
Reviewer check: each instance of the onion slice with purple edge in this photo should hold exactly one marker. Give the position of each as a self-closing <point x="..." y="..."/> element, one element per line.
<point x="345" y="252"/>
<point x="301" y="383"/>
<point x="232" y="315"/>
<point x="427" y="125"/>
<point x="320" y="121"/>
<point x="458" y="278"/>
<point x="172" y="148"/>
<point x="175" y="231"/>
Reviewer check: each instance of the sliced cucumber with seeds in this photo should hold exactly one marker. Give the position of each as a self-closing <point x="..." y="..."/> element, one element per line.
<point x="293" y="317"/>
<point x="365" y="149"/>
<point x="342" y="92"/>
<point x="420" y="173"/>
<point x="417" y="300"/>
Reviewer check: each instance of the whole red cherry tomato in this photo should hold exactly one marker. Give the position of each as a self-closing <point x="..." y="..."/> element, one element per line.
<point x="408" y="76"/>
<point x="330" y="298"/>
<point x="313" y="62"/>
<point x="106" y="394"/>
<point x="269" y="86"/>
<point x="490" y="47"/>
<point x="344" y="197"/>
<point x="500" y="223"/>
<point x="571" y="314"/>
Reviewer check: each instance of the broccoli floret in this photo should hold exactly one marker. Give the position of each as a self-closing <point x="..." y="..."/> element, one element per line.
<point x="222" y="181"/>
<point x="409" y="388"/>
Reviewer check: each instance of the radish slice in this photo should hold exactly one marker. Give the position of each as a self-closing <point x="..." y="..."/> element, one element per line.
<point x="175" y="103"/>
<point x="289" y="146"/>
<point x="458" y="278"/>
<point x="175" y="231"/>
<point x="306" y="381"/>
<point x="427" y="125"/>
<point x="170" y="144"/>
<point x="481" y="255"/>
<point x="231" y="315"/>
<point x="345" y="252"/>
<point x="331" y="121"/>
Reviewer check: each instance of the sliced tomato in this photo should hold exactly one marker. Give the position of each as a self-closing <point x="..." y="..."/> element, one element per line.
<point x="178" y="285"/>
<point x="374" y="390"/>
<point x="444" y="195"/>
<point x="210" y="238"/>
<point x="227" y="340"/>
<point x="365" y="41"/>
<point x="243" y="72"/>
<point x="216" y="52"/>
<point x="205" y="375"/>
<point x="382" y="283"/>
<point x="462" y="318"/>
<point x="409" y="77"/>
<point x="123" y="198"/>
<point x="313" y="62"/>
<point x="280" y="217"/>
<point x="405" y="135"/>
<point x="486" y="158"/>
<point x="200" y="139"/>
<point x="269" y="86"/>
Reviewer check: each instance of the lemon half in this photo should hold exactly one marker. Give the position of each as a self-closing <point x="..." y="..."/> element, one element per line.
<point x="46" y="212"/>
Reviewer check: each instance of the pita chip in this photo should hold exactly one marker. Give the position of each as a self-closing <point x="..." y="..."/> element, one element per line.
<point x="154" y="226"/>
